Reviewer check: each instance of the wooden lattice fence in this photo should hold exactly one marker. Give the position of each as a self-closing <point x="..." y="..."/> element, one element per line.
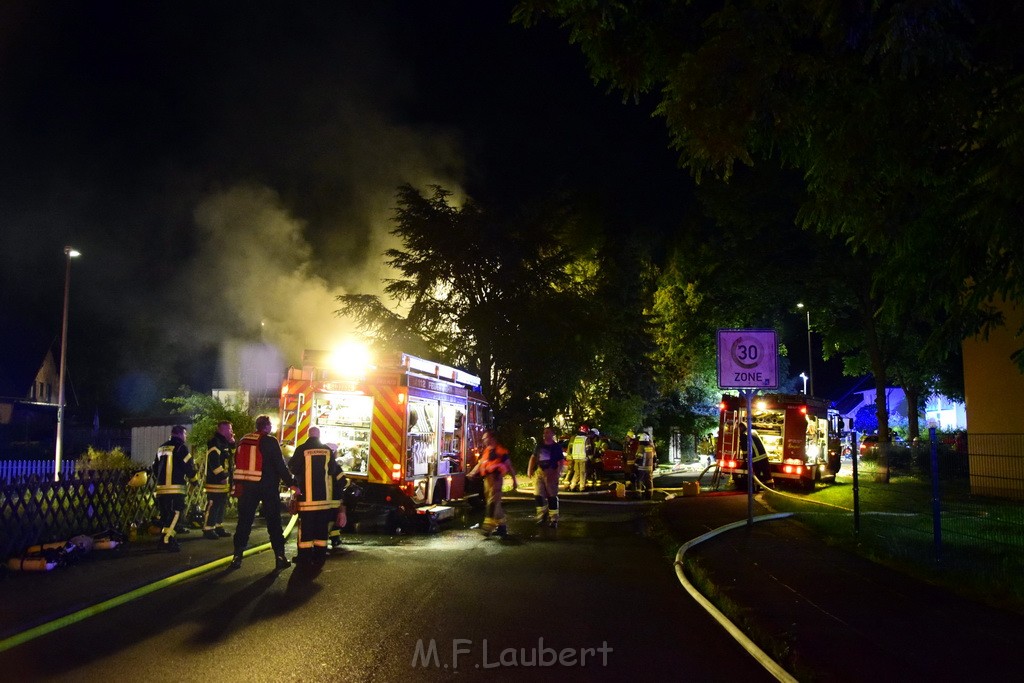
<point x="34" y="510"/>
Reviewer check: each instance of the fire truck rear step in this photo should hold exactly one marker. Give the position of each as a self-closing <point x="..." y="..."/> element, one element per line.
<point x="438" y="512"/>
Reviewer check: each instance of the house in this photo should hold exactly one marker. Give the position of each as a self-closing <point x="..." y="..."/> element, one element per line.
<point x="940" y="411"/>
<point x="28" y="377"/>
<point x="28" y="395"/>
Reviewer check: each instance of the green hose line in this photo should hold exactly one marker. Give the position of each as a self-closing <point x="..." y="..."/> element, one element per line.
<point x="100" y="607"/>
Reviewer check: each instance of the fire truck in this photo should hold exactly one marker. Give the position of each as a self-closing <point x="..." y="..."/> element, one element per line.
<point x="406" y="431"/>
<point x="795" y="437"/>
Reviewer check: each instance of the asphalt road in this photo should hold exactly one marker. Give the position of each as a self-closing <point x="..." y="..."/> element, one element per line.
<point x="596" y="599"/>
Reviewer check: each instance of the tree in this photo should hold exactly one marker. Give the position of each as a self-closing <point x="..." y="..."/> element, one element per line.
<point x="205" y="411"/>
<point x="899" y="117"/>
<point x="507" y="298"/>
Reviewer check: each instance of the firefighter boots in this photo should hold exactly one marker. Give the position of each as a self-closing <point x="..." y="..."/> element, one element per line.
<point x="221" y="533"/>
<point x="210" y="534"/>
<point x="236" y="562"/>
<point x="281" y="562"/>
<point x="170" y="546"/>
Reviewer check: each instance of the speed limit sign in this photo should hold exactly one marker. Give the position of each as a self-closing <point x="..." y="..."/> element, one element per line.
<point x="747" y="359"/>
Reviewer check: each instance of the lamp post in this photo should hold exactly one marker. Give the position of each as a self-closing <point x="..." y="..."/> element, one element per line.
<point x="804" y="378"/>
<point x="69" y="253"/>
<point x="810" y="359"/>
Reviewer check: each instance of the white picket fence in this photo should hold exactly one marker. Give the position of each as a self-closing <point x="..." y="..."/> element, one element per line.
<point x="17" y="469"/>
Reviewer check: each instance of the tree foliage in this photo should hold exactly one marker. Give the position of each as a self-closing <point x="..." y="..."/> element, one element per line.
<point x="901" y="119"/>
<point x="513" y="299"/>
<point x="205" y="411"/>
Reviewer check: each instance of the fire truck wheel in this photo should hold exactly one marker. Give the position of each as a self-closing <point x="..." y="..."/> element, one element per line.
<point x="394" y="525"/>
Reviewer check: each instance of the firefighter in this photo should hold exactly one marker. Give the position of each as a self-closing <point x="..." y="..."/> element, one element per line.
<point x="581" y="448"/>
<point x="493" y="465"/>
<point x="630" y="456"/>
<point x="220" y="456"/>
<point x="596" y="459"/>
<point x="545" y="468"/>
<point x="173" y="468"/>
<point x="645" y="460"/>
<point x="318" y="477"/>
<point x="260" y="470"/>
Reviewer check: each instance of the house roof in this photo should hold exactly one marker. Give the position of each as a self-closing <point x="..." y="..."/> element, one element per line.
<point x="848" y="403"/>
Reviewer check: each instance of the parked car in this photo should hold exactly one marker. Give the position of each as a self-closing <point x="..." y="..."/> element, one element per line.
<point x="869" y="443"/>
<point x="611" y="459"/>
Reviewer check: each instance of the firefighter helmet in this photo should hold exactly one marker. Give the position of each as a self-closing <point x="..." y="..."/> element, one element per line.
<point x="139" y="479"/>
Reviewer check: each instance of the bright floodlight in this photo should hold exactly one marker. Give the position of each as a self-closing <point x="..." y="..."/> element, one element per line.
<point x="72" y="252"/>
<point x="351" y="359"/>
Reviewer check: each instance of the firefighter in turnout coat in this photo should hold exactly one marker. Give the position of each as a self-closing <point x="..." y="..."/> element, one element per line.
<point x="545" y="468"/>
<point x="645" y="461"/>
<point x="581" y="449"/>
<point x="318" y="476"/>
<point x="260" y="470"/>
<point x="220" y="456"/>
<point x="172" y="469"/>
<point x="493" y="465"/>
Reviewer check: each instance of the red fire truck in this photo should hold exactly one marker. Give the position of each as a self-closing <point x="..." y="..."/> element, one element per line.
<point x="795" y="437"/>
<point x="407" y="430"/>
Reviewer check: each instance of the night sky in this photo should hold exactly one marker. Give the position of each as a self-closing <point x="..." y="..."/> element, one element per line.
<point x="228" y="168"/>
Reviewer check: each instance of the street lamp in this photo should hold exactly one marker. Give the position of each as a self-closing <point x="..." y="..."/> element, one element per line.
<point x="69" y="253"/>
<point x="804" y="378"/>
<point x="810" y="359"/>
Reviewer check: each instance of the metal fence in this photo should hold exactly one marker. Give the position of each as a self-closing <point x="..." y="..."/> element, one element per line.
<point x="20" y="470"/>
<point x="966" y="499"/>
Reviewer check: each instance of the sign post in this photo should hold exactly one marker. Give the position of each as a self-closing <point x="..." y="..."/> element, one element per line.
<point x="748" y="361"/>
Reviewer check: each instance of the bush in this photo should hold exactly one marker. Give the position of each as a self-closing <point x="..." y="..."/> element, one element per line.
<point x="95" y="460"/>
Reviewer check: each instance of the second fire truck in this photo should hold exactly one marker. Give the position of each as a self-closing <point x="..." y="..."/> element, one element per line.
<point x="407" y="430"/>
<point x="796" y="439"/>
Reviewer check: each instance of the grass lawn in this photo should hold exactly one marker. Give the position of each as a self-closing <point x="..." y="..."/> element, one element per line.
<point x="982" y="540"/>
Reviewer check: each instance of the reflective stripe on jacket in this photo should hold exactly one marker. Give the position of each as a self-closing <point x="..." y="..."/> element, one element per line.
<point x="173" y="466"/>
<point x="578" y="448"/>
<point x="316" y="473"/>
<point x="249" y="459"/>
<point x="495" y="461"/>
<point x="218" y="465"/>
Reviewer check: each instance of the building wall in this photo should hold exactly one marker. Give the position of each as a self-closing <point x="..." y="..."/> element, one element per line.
<point x="994" y="389"/>
<point x="993" y="385"/>
<point x="44" y="386"/>
<point x="145" y="441"/>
